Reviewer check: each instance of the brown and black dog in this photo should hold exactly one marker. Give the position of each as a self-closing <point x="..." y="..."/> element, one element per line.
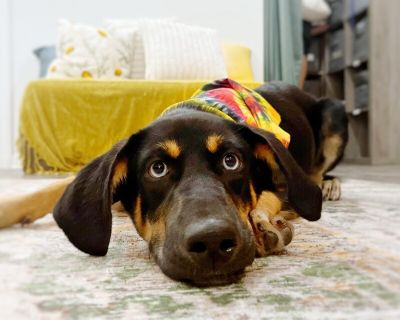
<point x="207" y="194"/>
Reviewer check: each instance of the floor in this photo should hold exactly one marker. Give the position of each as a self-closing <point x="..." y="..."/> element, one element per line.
<point x="345" y="266"/>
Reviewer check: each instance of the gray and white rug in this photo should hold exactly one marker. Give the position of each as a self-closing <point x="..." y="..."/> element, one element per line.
<point x="345" y="266"/>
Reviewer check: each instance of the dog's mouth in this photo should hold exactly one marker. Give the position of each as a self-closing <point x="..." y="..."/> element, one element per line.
<point x="217" y="279"/>
<point x="204" y="278"/>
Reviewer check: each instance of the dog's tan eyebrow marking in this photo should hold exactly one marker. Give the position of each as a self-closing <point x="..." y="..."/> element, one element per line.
<point x="213" y="142"/>
<point x="171" y="147"/>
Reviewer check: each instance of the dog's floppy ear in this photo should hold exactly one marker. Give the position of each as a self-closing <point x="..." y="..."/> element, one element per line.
<point x="303" y="194"/>
<point x="84" y="210"/>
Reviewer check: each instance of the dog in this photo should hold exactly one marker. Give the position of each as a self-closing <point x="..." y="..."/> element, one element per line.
<point x="207" y="194"/>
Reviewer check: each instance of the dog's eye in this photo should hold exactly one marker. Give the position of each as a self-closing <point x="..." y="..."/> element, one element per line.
<point x="158" y="169"/>
<point x="231" y="161"/>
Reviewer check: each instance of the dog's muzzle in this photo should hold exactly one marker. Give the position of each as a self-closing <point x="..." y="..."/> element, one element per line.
<point x="206" y="244"/>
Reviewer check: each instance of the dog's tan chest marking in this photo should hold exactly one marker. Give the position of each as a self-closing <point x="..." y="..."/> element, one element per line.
<point x="243" y="208"/>
<point x="253" y="195"/>
<point x="120" y="172"/>
<point x="142" y="227"/>
<point x="263" y="152"/>
<point x="146" y="229"/>
<point x="269" y="203"/>
<point x="171" y="147"/>
<point x="213" y="142"/>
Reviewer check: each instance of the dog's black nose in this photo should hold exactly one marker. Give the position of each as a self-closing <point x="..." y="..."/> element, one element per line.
<point x="211" y="243"/>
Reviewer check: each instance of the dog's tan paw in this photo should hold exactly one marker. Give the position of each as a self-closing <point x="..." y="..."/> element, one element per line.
<point x="271" y="236"/>
<point x="331" y="189"/>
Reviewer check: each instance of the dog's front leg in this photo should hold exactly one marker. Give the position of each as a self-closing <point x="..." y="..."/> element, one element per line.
<point x="271" y="229"/>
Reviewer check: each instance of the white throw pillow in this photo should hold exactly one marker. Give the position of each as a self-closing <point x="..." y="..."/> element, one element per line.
<point x="88" y="52"/>
<point x="174" y="51"/>
<point x="121" y="28"/>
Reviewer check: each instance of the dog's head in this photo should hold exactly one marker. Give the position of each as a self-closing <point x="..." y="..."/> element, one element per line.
<point x="189" y="181"/>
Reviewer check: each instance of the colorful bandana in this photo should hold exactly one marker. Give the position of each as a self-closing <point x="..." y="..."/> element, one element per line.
<point x="232" y="101"/>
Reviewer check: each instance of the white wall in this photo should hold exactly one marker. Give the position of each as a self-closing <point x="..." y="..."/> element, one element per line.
<point x="6" y="105"/>
<point x="33" y="24"/>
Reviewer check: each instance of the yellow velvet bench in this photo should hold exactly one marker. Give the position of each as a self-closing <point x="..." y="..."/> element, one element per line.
<point x="64" y="124"/>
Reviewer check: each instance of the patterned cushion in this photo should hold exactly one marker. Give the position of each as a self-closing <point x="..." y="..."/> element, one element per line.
<point x="89" y="52"/>
<point x="121" y="28"/>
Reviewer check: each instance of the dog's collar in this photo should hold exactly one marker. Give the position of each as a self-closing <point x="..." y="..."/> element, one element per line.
<point x="232" y="101"/>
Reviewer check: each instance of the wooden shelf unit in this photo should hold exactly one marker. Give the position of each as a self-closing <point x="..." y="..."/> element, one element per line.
<point x="367" y="79"/>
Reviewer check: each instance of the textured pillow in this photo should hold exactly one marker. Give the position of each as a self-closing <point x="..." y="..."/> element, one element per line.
<point x="45" y="55"/>
<point x="175" y="51"/>
<point x="238" y="62"/>
<point x="129" y="28"/>
<point x="89" y="52"/>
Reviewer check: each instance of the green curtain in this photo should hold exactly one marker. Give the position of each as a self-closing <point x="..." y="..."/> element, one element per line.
<point x="283" y="40"/>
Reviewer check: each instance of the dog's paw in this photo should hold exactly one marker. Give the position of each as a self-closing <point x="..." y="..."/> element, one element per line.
<point x="271" y="236"/>
<point x="331" y="189"/>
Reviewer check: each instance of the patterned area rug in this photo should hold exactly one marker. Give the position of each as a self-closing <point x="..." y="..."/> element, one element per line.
<point x="345" y="266"/>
